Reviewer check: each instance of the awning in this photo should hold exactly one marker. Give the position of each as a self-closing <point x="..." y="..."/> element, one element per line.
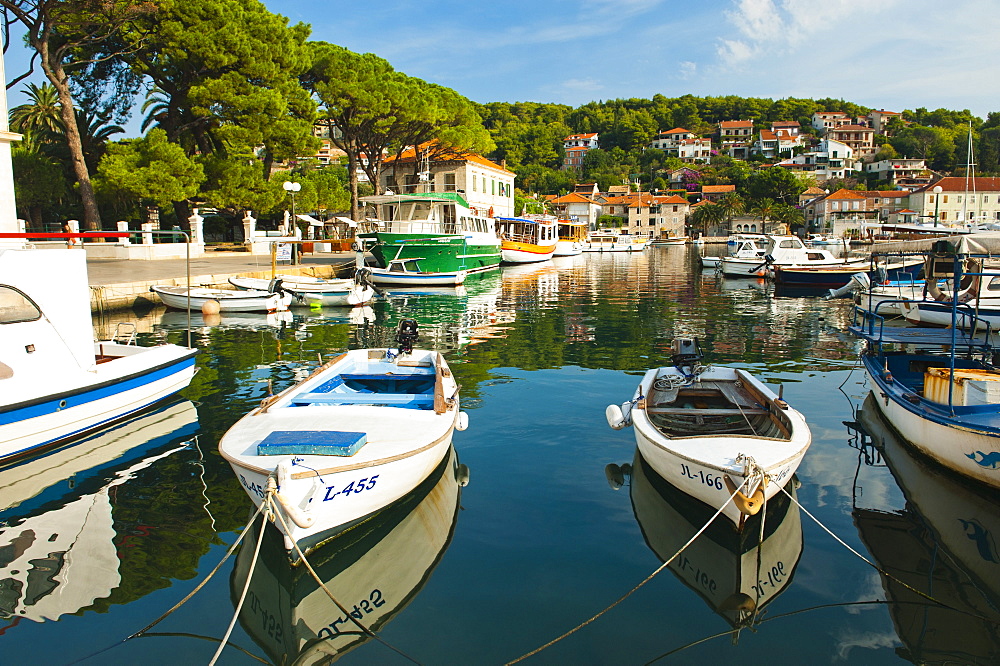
<point x="346" y="220"/>
<point x="313" y="222"/>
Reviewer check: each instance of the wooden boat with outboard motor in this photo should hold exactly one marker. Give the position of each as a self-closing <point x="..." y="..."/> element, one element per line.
<point x="714" y="432"/>
<point x="354" y="436"/>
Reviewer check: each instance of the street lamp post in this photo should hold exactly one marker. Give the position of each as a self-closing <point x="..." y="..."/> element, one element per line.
<point x="937" y="201"/>
<point x="292" y="188"/>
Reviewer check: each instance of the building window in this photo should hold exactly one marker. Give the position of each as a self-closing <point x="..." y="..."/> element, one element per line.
<point x="449" y="182"/>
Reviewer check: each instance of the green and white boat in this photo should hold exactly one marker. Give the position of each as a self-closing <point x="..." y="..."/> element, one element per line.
<point x="435" y="231"/>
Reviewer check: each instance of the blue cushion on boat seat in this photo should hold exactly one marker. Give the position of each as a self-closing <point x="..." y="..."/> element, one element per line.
<point x="311" y="442"/>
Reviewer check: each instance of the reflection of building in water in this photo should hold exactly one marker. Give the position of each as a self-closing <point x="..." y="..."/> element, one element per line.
<point x="733" y="572"/>
<point x="58" y="556"/>
<point x="945" y="543"/>
<point x="374" y="570"/>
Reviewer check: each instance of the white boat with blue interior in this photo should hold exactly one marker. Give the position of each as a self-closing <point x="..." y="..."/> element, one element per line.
<point x="939" y="388"/>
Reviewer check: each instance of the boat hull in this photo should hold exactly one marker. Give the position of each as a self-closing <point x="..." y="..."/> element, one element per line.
<point x="437" y="253"/>
<point x="229" y="301"/>
<point x="416" y="279"/>
<point x="113" y="391"/>
<point x="525" y="253"/>
<point x="568" y="248"/>
<point x="960" y="444"/>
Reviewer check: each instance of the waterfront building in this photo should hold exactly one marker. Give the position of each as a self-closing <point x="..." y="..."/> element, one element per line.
<point x="576" y="147"/>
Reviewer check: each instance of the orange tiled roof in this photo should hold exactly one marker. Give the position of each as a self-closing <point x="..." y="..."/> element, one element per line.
<point x="589" y="135"/>
<point x="717" y="189"/>
<point x="448" y="155"/>
<point x="677" y="130"/>
<point x="572" y="197"/>
<point x="845" y="194"/>
<point x="735" y="123"/>
<point x="852" y="128"/>
<point x="958" y="184"/>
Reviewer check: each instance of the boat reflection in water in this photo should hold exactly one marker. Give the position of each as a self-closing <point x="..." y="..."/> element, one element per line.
<point x="373" y="570"/>
<point x="57" y="537"/>
<point x="736" y="573"/>
<point x="945" y="542"/>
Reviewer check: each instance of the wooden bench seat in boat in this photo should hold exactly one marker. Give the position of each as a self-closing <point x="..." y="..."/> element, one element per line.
<point x="694" y="411"/>
<point x="394" y="399"/>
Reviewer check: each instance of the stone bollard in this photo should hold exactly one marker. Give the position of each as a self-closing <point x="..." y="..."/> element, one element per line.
<point x="123" y="226"/>
<point x="197" y="228"/>
<point x="147" y="233"/>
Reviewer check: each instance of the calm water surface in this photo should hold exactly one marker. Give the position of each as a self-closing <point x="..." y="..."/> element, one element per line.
<point x="101" y="539"/>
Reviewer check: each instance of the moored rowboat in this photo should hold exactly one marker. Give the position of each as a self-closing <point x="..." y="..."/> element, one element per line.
<point x="714" y="431"/>
<point x="356" y="435"/>
<point x="229" y="300"/>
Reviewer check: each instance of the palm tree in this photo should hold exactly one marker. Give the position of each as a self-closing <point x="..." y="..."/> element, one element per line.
<point x="41" y="116"/>
<point x="732" y="205"/>
<point x="706" y="216"/>
<point x="765" y="209"/>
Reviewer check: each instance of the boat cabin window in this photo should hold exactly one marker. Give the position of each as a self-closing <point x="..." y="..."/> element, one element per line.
<point x="16" y="307"/>
<point x="791" y="242"/>
<point x="814" y="256"/>
<point x="994" y="284"/>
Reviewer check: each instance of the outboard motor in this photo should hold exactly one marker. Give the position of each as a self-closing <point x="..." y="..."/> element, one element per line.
<point x="274" y="287"/>
<point x="406" y="335"/>
<point x="687" y="355"/>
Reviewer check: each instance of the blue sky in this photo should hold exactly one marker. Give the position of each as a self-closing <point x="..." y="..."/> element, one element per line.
<point x="891" y="54"/>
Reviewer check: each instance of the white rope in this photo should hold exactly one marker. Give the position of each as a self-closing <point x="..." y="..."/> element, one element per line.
<point x="246" y="588"/>
<point x="636" y="588"/>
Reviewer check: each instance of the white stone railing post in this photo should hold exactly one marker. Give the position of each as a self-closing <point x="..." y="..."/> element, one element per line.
<point x="249" y="228"/>
<point x="197" y="224"/>
<point x="123" y="226"/>
<point x="147" y="233"/>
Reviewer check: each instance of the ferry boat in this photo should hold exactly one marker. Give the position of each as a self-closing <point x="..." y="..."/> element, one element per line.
<point x="572" y="236"/>
<point x="440" y="230"/>
<point x="525" y="240"/>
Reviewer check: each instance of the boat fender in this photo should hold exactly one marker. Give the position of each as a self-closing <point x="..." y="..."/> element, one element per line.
<point x="462" y="475"/>
<point x="617" y="419"/>
<point x="616" y="478"/>
<point x="462" y="422"/>
<point x="748" y="506"/>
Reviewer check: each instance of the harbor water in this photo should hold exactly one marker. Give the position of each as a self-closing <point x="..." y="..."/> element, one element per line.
<point x="560" y="523"/>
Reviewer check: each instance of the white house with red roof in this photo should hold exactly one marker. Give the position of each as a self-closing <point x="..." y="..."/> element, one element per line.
<point x="824" y="121"/>
<point x="878" y="120"/>
<point x="482" y="183"/>
<point x="649" y="215"/>
<point x="831" y="159"/>
<point x="735" y="137"/>
<point x="839" y="211"/>
<point x="577" y="206"/>
<point x="775" y="143"/>
<point x="576" y="147"/>
<point x="684" y="145"/>
<point x="960" y="201"/>
<point x="861" y="139"/>
<point x="902" y="172"/>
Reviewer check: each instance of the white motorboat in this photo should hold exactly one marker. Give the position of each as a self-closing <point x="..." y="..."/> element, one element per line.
<point x="56" y="381"/>
<point x="743" y="248"/>
<point x="380" y="565"/>
<point x="786" y="251"/>
<point x="356" y="435"/>
<point x="229" y="300"/>
<point x="406" y="272"/>
<point x="572" y="236"/>
<point x="714" y="432"/>
<point x="312" y="290"/>
<point x="614" y="242"/>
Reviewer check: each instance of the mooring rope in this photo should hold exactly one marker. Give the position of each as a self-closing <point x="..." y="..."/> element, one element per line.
<point x="636" y="588"/>
<point x="322" y="585"/>
<point x="246" y="585"/>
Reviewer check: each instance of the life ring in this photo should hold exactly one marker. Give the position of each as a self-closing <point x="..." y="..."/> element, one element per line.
<point x="968" y="287"/>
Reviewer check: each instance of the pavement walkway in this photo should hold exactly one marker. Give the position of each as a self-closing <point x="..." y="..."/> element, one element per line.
<point x="119" y="283"/>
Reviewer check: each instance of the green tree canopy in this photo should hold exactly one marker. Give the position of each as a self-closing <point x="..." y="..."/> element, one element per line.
<point x="149" y="170"/>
